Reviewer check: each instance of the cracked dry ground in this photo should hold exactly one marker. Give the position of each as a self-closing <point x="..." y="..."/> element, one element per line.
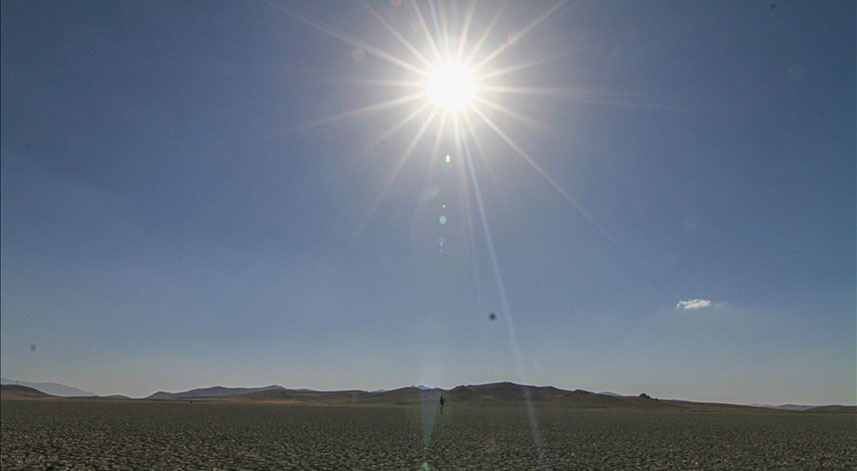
<point x="82" y="434"/>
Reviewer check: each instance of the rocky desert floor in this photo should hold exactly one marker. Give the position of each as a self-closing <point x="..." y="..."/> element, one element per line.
<point x="92" y="434"/>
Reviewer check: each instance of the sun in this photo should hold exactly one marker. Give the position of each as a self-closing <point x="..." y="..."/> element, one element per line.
<point x="451" y="82"/>
<point x="451" y="86"/>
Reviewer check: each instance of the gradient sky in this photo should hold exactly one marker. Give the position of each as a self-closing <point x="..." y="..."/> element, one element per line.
<point x="178" y="211"/>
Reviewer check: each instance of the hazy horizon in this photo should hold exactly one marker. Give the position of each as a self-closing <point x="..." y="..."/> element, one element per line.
<point x="641" y="197"/>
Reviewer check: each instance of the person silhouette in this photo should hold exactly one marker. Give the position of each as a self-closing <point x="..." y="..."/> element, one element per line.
<point x="441" y="405"/>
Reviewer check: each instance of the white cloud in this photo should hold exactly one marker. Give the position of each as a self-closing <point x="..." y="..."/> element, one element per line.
<point x="696" y="303"/>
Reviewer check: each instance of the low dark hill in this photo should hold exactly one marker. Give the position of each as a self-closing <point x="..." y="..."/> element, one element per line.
<point x="511" y="394"/>
<point x="303" y="396"/>
<point x="724" y="408"/>
<point x="16" y="391"/>
<point x="410" y="396"/>
<point x="834" y="408"/>
<point x="505" y="394"/>
<point x="214" y="391"/>
<point x="52" y="389"/>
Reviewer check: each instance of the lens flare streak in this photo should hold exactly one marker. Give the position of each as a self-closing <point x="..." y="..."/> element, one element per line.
<point x="504" y="304"/>
<point x="527" y="29"/>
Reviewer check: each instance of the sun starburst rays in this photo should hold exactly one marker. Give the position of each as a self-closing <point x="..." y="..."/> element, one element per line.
<point x="449" y="76"/>
<point x="525" y="31"/>
<point x="396" y="34"/>
<point x="453" y="78"/>
<point x="422" y="25"/>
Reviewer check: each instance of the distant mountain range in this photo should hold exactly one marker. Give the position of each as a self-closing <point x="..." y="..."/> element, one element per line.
<point x="54" y="389"/>
<point x="494" y="395"/>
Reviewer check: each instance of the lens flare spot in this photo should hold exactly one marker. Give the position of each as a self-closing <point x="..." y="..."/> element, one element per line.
<point x="429" y="192"/>
<point x="447" y="158"/>
<point x="441" y="241"/>
<point x="513" y="36"/>
<point x="442" y="219"/>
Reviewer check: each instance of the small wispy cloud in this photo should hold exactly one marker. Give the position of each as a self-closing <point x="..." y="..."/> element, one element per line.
<point x="696" y="303"/>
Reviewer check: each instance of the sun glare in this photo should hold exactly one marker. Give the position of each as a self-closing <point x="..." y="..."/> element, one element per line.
<point x="451" y="86"/>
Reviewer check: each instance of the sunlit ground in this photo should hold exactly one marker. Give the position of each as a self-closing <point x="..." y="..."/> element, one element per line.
<point x="162" y="435"/>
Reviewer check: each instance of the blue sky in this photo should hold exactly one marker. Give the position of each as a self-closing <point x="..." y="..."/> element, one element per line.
<point x="185" y="203"/>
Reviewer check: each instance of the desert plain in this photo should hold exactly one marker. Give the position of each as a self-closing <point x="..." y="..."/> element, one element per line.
<point x="78" y="434"/>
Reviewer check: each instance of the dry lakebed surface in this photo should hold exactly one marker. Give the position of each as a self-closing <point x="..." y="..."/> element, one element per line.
<point x="103" y="434"/>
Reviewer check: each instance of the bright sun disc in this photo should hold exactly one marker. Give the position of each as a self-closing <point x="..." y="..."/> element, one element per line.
<point x="451" y="86"/>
